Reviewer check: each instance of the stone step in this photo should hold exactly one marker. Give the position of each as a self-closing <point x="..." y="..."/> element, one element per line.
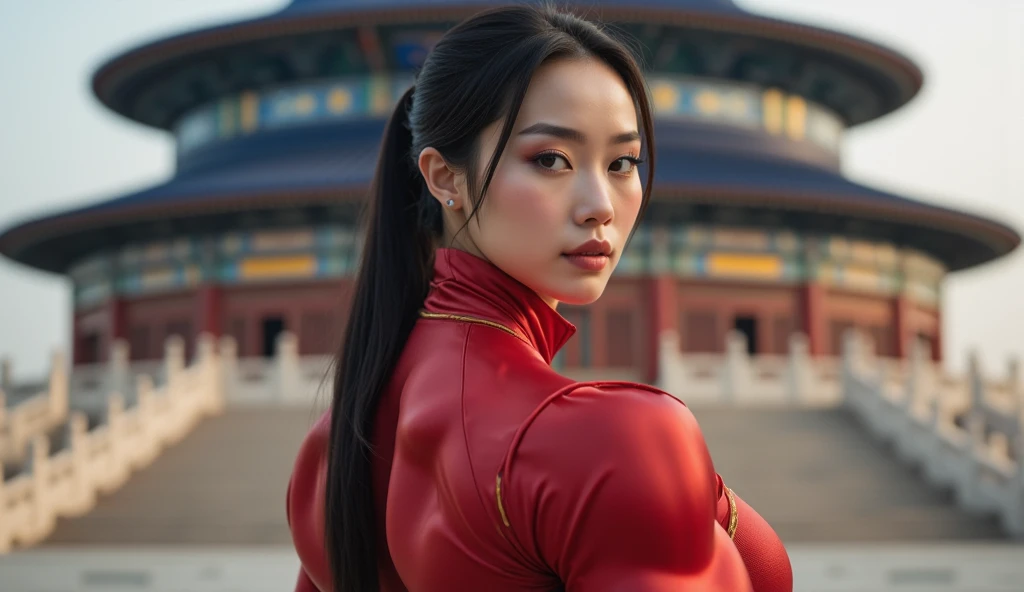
<point x="816" y="475"/>
<point x="224" y="484"/>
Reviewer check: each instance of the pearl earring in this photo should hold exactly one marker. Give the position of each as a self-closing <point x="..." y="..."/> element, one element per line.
<point x="450" y="202"/>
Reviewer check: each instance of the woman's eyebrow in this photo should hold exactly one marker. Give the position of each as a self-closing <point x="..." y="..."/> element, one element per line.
<point x="573" y="135"/>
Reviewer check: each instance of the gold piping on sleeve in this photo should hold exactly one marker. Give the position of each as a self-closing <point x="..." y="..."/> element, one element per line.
<point x="734" y="516"/>
<point x="501" y="507"/>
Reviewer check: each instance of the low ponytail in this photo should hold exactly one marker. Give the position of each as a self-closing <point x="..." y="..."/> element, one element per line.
<point x="476" y="75"/>
<point x="392" y="283"/>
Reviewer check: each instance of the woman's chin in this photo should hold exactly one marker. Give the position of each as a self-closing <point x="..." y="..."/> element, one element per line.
<point x="582" y="292"/>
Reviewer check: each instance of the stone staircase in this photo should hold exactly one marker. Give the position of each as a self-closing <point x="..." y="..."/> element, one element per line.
<point x="814" y="474"/>
<point x="224" y="484"/>
<point x="817" y="476"/>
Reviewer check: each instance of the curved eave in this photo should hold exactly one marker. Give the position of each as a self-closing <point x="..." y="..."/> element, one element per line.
<point x="115" y="82"/>
<point x="814" y="199"/>
<point x="958" y="239"/>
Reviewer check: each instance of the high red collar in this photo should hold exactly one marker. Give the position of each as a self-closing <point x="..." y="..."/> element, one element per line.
<point x="465" y="284"/>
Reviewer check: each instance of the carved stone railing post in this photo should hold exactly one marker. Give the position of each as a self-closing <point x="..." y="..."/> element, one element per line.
<point x="799" y="378"/>
<point x="921" y="383"/>
<point x="853" y="355"/>
<point x="58" y="387"/>
<point x="228" y="349"/>
<point x="39" y="469"/>
<point x="174" y="360"/>
<point x="119" y="368"/>
<point x="145" y="395"/>
<point x="83" y="494"/>
<point x="736" y="372"/>
<point x="669" y="362"/>
<point x="288" y="369"/>
<point x="969" y="489"/>
<point x="116" y="425"/>
<point x="208" y="362"/>
<point x="975" y="422"/>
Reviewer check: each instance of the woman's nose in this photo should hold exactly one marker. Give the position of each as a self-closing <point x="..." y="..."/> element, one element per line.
<point x="594" y="203"/>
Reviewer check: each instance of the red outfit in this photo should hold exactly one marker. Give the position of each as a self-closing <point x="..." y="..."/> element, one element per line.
<point x="493" y="472"/>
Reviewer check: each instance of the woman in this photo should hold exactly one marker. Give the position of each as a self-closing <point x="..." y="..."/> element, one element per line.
<point x="454" y="457"/>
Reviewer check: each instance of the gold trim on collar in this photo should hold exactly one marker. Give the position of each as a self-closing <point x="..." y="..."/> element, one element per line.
<point x="468" y="319"/>
<point x="734" y="517"/>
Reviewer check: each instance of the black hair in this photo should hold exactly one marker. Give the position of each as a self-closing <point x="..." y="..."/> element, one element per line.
<point x="476" y="74"/>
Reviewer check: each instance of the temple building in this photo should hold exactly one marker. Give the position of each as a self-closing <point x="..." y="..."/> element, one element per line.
<point x="752" y="226"/>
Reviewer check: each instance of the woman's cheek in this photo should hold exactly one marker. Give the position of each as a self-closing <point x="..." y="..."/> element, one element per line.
<point x="630" y="208"/>
<point x="531" y="200"/>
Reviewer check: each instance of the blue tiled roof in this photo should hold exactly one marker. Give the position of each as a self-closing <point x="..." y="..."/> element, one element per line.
<point x="684" y="174"/>
<point x="123" y="82"/>
<point x="354" y="166"/>
<point x="351" y="167"/>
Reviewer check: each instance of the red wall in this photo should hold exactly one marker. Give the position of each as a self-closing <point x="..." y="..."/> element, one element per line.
<point x="707" y="312"/>
<point x="622" y="326"/>
<point x="313" y="311"/>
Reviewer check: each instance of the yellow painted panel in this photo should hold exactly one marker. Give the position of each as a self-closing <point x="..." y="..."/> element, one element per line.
<point x="796" y="118"/>
<point x="249" y="111"/>
<point x="730" y="264"/>
<point x="263" y="267"/>
<point x="772" y="107"/>
<point x="861" y="277"/>
<point x="665" y="96"/>
<point x="158" y="277"/>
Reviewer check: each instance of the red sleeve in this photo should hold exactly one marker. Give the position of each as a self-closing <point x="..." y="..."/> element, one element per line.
<point x="305" y="508"/>
<point x="763" y="553"/>
<point x="304" y="584"/>
<point x="611" y="488"/>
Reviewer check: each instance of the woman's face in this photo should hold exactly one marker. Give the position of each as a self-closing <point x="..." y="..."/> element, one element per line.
<point x="568" y="176"/>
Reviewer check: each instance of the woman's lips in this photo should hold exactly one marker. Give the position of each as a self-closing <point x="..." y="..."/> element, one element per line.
<point x="588" y="262"/>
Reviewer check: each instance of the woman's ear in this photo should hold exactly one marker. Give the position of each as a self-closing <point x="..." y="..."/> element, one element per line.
<point x="444" y="183"/>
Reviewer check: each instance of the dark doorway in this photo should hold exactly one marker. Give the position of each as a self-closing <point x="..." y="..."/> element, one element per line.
<point x="272" y="327"/>
<point x="748" y="327"/>
<point x="90" y="349"/>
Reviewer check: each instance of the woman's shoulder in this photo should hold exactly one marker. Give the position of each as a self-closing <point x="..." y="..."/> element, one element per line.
<point x="606" y="471"/>
<point x="620" y="406"/>
<point x="620" y="425"/>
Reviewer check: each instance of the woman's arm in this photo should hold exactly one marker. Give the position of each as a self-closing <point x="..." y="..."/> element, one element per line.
<point x="304" y="584"/>
<point x="304" y="509"/>
<point x="763" y="553"/>
<point x="611" y="489"/>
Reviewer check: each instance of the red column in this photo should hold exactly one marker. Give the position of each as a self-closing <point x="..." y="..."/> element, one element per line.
<point x="210" y="309"/>
<point x="117" y="321"/>
<point x="812" y="316"/>
<point x="900" y="325"/>
<point x="664" y="309"/>
<point x="937" y="337"/>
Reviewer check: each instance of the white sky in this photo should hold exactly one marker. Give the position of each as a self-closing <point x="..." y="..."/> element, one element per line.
<point x="960" y="143"/>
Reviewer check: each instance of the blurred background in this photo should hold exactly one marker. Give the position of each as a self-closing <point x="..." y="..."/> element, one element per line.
<point x="829" y="274"/>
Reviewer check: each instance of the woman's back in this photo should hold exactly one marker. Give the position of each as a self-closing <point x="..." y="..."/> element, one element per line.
<point x="464" y="390"/>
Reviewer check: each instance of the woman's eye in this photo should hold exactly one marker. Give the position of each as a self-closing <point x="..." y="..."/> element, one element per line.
<point x="553" y="162"/>
<point x="624" y="165"/>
